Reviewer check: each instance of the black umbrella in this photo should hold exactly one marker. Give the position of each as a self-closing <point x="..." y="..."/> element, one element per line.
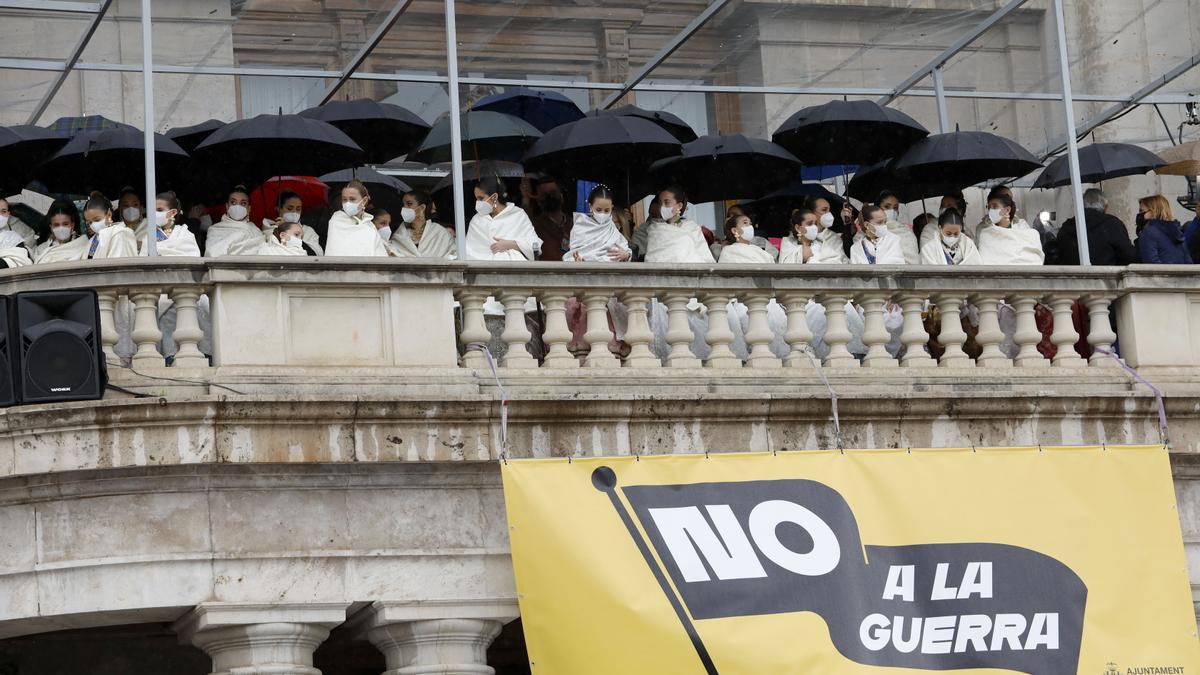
<point x="22" y="148"/>
<point x="189" y="137"/>
<point x="773" y="212"/>
<point x="1100" y="162"/>
<point x="543" y="109"/>
<point x="384" y="131"/>
<point x="869" y="181"/>
<point x="963" y="158"/>
<point x="251" y="151"/>
<point x="848" y="132"/>
<point x="110" y="160"/>
<point x="672" y="124"/>
<point x="485" y="135"/>
<point x="510" y="173"/>
<point x="713" y="168"/>
<point x="613" y="149"/>
<point x="386" y="191"/>
<point x="70" y="127"/>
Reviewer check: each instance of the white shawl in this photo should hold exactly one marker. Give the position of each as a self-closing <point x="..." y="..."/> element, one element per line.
<point x="28" y="236"/>
<point x="53" y="251"/>
<point x="309" y="237"/>
<point x="964" y="253"/>
<point x="511" y="223"/>
<point x="272" y="247"/>
<point x="354" y="236"/>
<point x="681" y="242"/>
<point x="232" y="237"/>
<point x="907" y="240"/>
<point x="826" y="250"/>
<point x="181" y="243"/>
<point x="12" y="249"/>
<point x="745" y="254"/>
<point x="436" y="242"/>
<point x="886" y="249"/>
<point x="115" y="241"/>
<point x="1016" y="245"/>
<point x="591" y="240"/>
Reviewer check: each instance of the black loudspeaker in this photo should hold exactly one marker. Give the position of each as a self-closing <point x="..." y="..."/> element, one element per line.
<point x="57" y="345"/>
<point x="8" y="370"/>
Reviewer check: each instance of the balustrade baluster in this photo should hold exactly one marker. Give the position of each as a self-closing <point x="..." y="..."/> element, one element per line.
<point x="557" y="334"/>
<point x="1064" y="336"/>
<point x="952" y="337"/>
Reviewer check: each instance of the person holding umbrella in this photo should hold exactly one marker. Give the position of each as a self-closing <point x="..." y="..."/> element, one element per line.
<point x="418" y="236"/>
<point x="890" y="204"/>
<point x="290" y="207"/>
<point x="11" y="223"/>
<point x="352" y="231"/>
<point x="65" y="243"/>
<point x="234" y="234"/>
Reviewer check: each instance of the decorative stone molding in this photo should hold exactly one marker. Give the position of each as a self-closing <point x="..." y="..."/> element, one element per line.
<point x="444" y="637"/>
<point x="260" y="639"/>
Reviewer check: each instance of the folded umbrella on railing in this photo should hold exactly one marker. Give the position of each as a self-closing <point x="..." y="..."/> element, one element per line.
<point x="23" y="147"/>
<point x="384" y="131"/>
<point x="714" y="168"/>
<point x="1100" y="162"/>
<point x="848" y="132"/>
<point x="485" y="135"/>
<point x="543" y="109"/>
<point x="110" y="160"/>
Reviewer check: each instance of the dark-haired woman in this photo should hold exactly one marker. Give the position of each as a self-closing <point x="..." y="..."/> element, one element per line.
<point x="418" y="236"/>
<point x="108" y="239"/>
<point x="594" y="235"/>
<point x="290" y="207"/>
<point x="65" y="242"/>
<point x="174" y="240"/>
<point x="234" y="234"/>
<point x="671" y="237"/>
<point x="500" y="229"/>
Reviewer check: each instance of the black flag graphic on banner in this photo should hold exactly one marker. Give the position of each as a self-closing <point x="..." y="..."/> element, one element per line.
<point x="770" y="547"/>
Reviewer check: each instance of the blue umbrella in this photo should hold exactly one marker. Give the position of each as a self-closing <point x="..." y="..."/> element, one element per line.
<point x="69" y="127"/>
<point x="543" y="109"/>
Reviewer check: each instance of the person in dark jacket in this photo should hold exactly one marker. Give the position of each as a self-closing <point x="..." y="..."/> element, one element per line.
<point x="1161" y="242"/>
<point x="1108" y="240"/>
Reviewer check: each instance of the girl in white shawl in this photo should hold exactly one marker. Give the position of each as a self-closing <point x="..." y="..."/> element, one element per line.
<point x="130" y="211"/>
<point x="418" y="236"/>
<point x="671" y="237"/>
<point x="1007" y="240"/>
<point x="594" y="237"/>
<point x="741" y="248"/>
<point x="351" y="230"/>
<point x="11" y="223"/>
<point x="909" y="247"/>
<point x="875" y="243"/>
<point x="499" y="230"/>
<point x="812" y="242"/>
<point x="234" y="234"/>
<point x="290" y="207"/>
<point x="12" y="250"/>
<point x="109" y="239"/>
<point x="287" y="240"/>
<point x="65" y="243"/>
<point x="951" y="246"/>
<point x="176" y="241"/>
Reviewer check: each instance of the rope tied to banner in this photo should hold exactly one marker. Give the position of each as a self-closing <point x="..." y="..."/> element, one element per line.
<point x="1163" y="430"/>
<point x="833" y="401"/>
<point x="491" y="362"/>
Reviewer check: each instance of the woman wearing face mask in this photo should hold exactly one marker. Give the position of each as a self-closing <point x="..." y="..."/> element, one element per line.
<point x="595" y="236"/>
<point x="173" y="239"/>
<point x="286" y="240"/>
<point x="418" y="236"/>
<point x="951" y="247"/>
<point x="876" y="245"/>
<point x="290" y="206"/>
<point x="500" y="230"/>
<point x="65" y="243"/>
<point x="11" y="223"/>
<point x="739" y="246"/>
<point x="890" y="205"/>
<point x="234" y="234"/>
<point x="671" y="237"/>
<point x="131" y="212"/>
<point x="742" y="248"/>
<point x="108" y="239"/>
<point x="1007" y="241"/>
<point x="1161" y="241"/>
<point x="812" y="241"/>
<point x="352" y="230"/>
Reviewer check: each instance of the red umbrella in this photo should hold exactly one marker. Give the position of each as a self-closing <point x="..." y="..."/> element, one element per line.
<point x="264" y="199"/>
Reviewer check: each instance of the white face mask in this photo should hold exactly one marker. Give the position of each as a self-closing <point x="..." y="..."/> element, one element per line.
<point x="62" y="232"/>
<point x="995" y="216"/>
<point x="483" y="208"/>
<point x="295" y="242"/>
<point x="96" y="225"/>
<point x="408" y="215"/>
<point x="385" y="233"/>
<point x="667" y="212"/>
<point x="810" y="232"/>
<point x="131" y="214"/>
<point x="291" y="217"/>
<point x="747" y="232"/>
<point x="827" y="219"/>
<point x="602" y="218"/>
<point x="351" y="208"/>
<point x="237" y="212"/>
<point x="951" y="241"/>
<point x="3" y="222"/>
<point x="892" y="215"/>
<point x="160" y="218"/>
<point x="880" y="229"/>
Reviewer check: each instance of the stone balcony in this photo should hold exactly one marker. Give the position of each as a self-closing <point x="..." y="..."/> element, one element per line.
<point x="336" y="457"/>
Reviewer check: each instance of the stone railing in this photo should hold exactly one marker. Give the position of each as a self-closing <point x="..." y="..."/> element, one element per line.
<point x="348" y="314"/>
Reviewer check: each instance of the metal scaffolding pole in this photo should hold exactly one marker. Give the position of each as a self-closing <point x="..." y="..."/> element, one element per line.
<point x="70" y="63"/>
<point x="148" y="128"/>
<point x="940" y="92"/>
<point x="456" y="160"/>
<point x="367" y="48"/>
<point x="1064" y="67"/>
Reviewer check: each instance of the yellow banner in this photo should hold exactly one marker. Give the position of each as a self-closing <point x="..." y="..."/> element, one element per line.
<point x="1052" y="561"/>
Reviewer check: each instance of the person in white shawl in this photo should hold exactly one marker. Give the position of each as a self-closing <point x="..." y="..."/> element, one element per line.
<point x="499" y="230"/>
<point x="109" y="239"/>
<point x="741" y="247"/>
<point x="11" y="223"/>
<point x="12" y="250"/>
<point x="352" y="231"/>
<point x="234" y="234"/>
<point x="288" y="240"/>
<point x="950" y="246"/>
<point x="595" y="237"/>
<point x="875" y="243"/>
<point x="130" y="211"/>
<point x="812" y="242"/>
<point x="1008" y="241"/>
<point x="417" y="236"/>
<point x="65" y="243"/>
<point x="290" y="207"/>
<point x="175" y="241"/>
<point x="671" y="237"/>
<point x="905" y="240"/>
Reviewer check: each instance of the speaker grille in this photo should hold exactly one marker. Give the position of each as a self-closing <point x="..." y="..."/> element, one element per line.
<point x="59" y="363"/>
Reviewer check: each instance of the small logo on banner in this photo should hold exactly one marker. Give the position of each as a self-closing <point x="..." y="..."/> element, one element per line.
<point x="1112" y="669"/>
<point x="769" y="547"/>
